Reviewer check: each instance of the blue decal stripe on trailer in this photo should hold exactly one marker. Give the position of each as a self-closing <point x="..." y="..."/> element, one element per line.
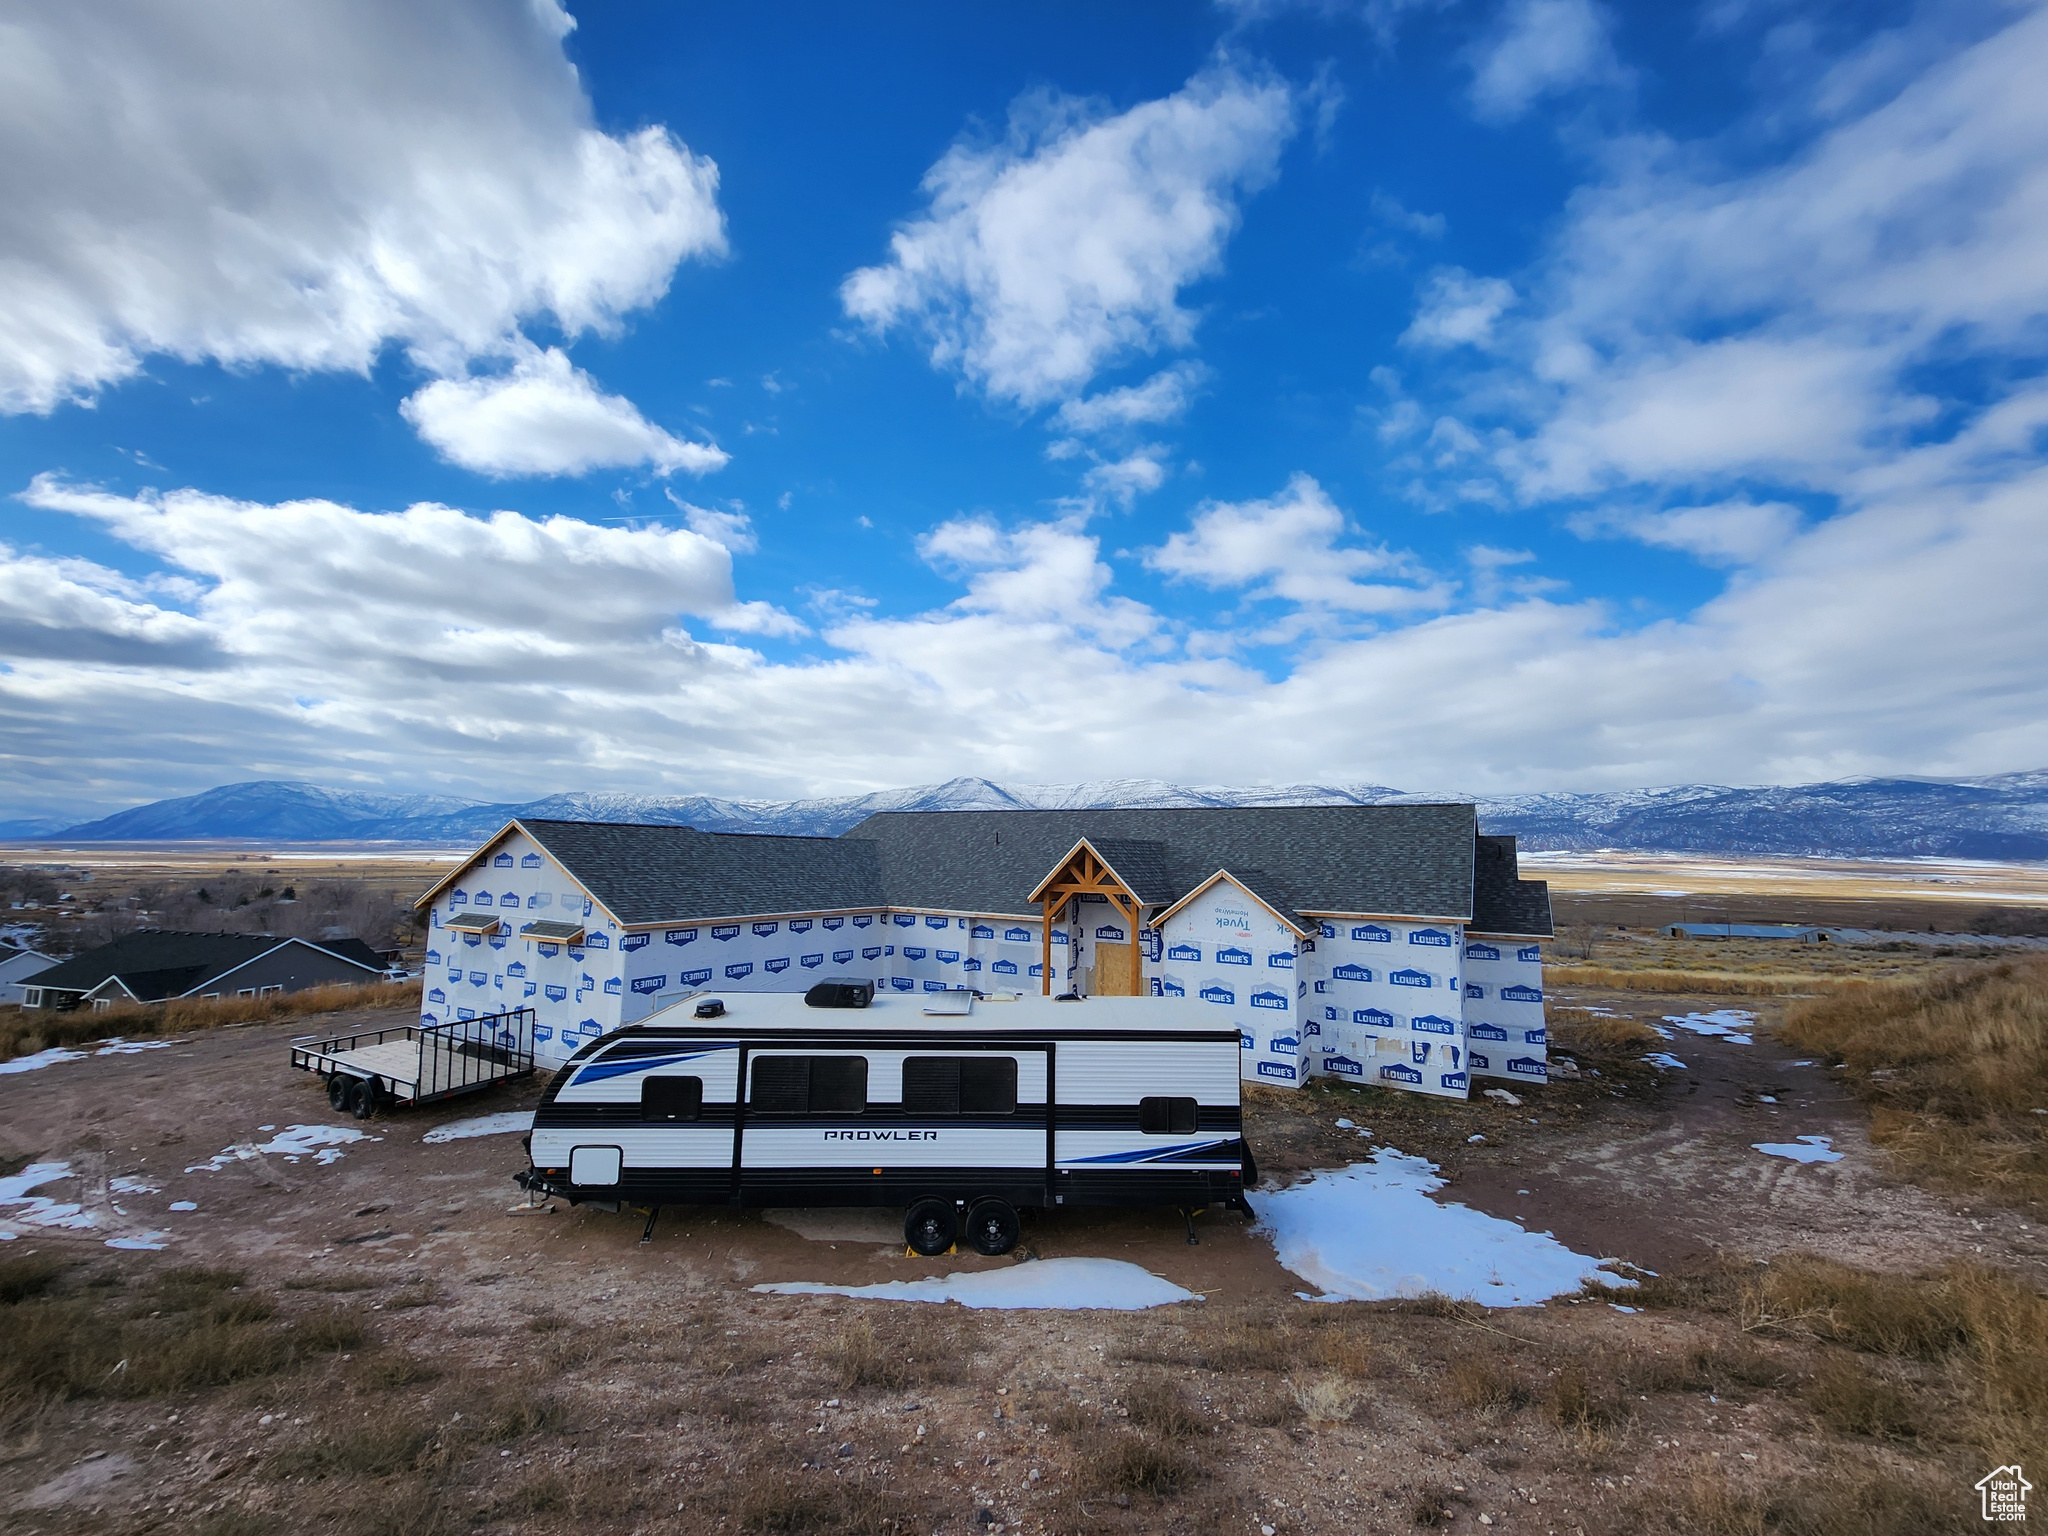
<point x="597" y="1071"/>
<point x="1151" y="1155"/>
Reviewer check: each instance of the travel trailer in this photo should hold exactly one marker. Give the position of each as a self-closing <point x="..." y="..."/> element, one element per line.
<point x="962" y="1109"/>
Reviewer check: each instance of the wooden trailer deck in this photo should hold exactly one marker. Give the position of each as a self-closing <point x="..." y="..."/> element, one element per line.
<point x="419" y="1063"/>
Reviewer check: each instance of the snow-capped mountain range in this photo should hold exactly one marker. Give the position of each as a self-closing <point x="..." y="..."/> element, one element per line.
<point x="2003" y="817"/>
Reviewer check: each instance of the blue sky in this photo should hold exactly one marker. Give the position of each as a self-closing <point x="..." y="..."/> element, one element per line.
<point x="1467" y="397"/>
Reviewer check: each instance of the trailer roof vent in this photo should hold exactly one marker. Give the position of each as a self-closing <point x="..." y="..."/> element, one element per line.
<point x="841" y="992"/>
<point x="713" y="1008"/>
<point x="954" y="1000"/>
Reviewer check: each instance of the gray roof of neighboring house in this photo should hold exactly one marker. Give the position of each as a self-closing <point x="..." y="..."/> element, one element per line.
<point x="1503" y="902"/>
<point x="645" y="874"/>
<point x="1381" y="859"/>
<point x="1392" y="860"/>
<point x="156" y="963"/>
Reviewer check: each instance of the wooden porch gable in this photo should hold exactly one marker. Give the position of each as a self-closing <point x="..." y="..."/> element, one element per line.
<point x="1084" y="872"/>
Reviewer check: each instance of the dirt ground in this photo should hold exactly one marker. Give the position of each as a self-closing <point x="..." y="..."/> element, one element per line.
<point x="648" y="1387"/>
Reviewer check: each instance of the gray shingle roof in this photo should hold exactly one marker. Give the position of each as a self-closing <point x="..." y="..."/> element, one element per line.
<point x="648" y="874"/>
<point x="1503" y="902"/>
<point x="1273" y="894"/>
<point x="153" y="951"/>
<point x="1140" y="863"/>
<point x="1382" y="859"/>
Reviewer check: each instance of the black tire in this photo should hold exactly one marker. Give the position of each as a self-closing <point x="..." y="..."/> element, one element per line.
<point x="1250" y="1166"/>
<point x="337" y="1092"/>
<point x="362" y="1099"/>
<point x="992" y="1227"/>
<point x="930" y="1227"/>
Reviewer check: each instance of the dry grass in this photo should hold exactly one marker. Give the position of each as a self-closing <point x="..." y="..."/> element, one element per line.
<point x="30" y="1030"/>
<point x="1134" y="1461"/>
<point x="1850" y="1501"/>
<point x="1953" y="1069"/>
<point x="1701" y="983"/>
<point x="899" y="1356"/>
<point x="1489" y="1388"/>
<point x="1848" y="1396"/>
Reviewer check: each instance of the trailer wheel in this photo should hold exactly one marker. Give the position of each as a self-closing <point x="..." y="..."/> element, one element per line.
<point x="362" y="1099"/>
<point x="930" y="1227"/>
<point x="992" y="1227"/>
<point x="337" y="1091"/>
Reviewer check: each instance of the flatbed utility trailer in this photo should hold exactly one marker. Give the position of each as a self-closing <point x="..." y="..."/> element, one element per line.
<point x="407" y="1064"/>
<point x="962" y="1111"/>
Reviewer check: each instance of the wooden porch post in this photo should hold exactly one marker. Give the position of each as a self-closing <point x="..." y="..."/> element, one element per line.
<point x="1045" y="944"/>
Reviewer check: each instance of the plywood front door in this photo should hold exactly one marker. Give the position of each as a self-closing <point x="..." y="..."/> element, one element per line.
<point x="1116" y="970"/>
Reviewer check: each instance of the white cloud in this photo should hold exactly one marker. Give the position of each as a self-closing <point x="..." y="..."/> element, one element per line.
<point x="545" y="416"/>
<point x="304" y="186"/>
<point x="1286" y="548"/>
<point x="1458" y="309"/>
<point x="730" y="530"/>
<point x="1162" y="398"/>
<point x="1064" y="248"/>
<point x="1738" y="532"/>
<point x="1389" y="210"/>
<point x="1124" y="480"/>
<point x="1541" y="48"/>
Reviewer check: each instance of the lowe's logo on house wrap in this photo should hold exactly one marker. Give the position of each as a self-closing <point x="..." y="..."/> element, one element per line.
<point x="1059" y="936"/>
<point x="575" y="953"/>
<point x="1373" y="1018"/>
<point x="1268" y="1000"/>
<point x="596" y="941"/>
<point x="477" y="978"/>
<point x="437" y="996"/>
<point x="509" y="899"/>
<point x="680" y="936"/>
<point x="1520" y="994"/>
<point x="1333" y="1015"/>
<point x="739" y="972"/>
<point x="766" y="930"/>
<point x="1372" y="933"/>
<point x="555" y="994"/>
<point x="1351" y="973"/>
<point x="502" y="861"/>
<point x="1472" y="989"/>
<point x="800" y="925"/>
<point x="613" y="986"/>
<point x="472" y="940"/>
<point x="839" y="956"/>
<point x="935" y="922"/>
<point x="1284" y="1045"/>
<point x="1344" y="1066"/>
<point x="458" y="899"/>
<point x="1433" y="1024"/>
<point x="1533" y="952"/>
<point x="1399" y="1074"/>
<point x="433" y="957"/>
<point x="871" y="952"/>
<point x="902" y="983"/>
<point x="1528" y="1066"/>
<point x="946" y="956"/>
<point x="1418" y="1050"/>
<point x="1455" y="1080"/>
<point x="914" y="952"/>
<point x="1233" y="956"/>
<point x="726" y="931"/>
<point x="1329" y="930"/>
<point x="1435" y="938"/>
<point x="1485" y="1032"/>
<point x="970" y="964"/>
<point x="646" y="984"/>
<point x="812" y="962"/>
<point x="1111" y="932"/>
<point x="865" y="920"/>
<point x="982" y="931"/>
<point x="1313" y="1028"/>
<point x="483" y="898"/>
<point x="633" y="941"/>
<point x="1016" y="935"/>
<point x="692" y="978"/>
<point x="1004" y="968"/>
<point x="1280" y="1069"/>
<point x="937" y="986"/>
<point x="1481" y="1063"/>
<point x="516" y="968"/>
<point x="549" y="951"/>
<point x="1185" y="952"/>
<point x="1217" y="995"/>
<point x="776" y="966"/>
<point x="1280" y="962"/>
<point x="1535" y="1037"/>
<point x="905" y="920"/>
<point x="531" y="861"/>
<point x="1481" y="952"/>
<point x="834" y="923"/>
<point x="465" y="1013"/>
<point x="1411" y="978"/>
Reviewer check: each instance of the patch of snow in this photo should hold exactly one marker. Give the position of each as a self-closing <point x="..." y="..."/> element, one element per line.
<point x="146" y="1243"/>
<point x="183" y="1205"/>
<point x="1808" y="1149"/>
<point x="1765" y="1098"/>
<point x="1802" y="1063"/>
<point x="1666" y="1060"/>
<point x="1620" y="1308"/>
<point x="1731" y="1024"/>
<point x="1346" y="1125"/>
<point x="1475" y="1139"/>
<point x="505" y="1124"/>
<point x="131" y="1184"/>
<point x="41" y="1059"/>
<point x="39" y="1210"/>
<point x="1059" y="1284"/>
<point x="1504" y="1097"/>
<point x="1371" y="1231"/>
<point x="323" y="1143"/>
<point x="119" y="1047"/>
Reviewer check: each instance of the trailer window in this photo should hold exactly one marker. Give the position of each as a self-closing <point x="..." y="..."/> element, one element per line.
<point x="671" y="1098"/>
<point x="960" y="1085"/>
<point x="1166" y="1117"/>
<point x="817" y="1085"/>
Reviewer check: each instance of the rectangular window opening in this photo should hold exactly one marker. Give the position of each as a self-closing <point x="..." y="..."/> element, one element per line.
<point x="960" y="1085"/>
<point x="668" y="1100"/>
<point x="816" y="1085"/>
<point x="1162" y="1116"/>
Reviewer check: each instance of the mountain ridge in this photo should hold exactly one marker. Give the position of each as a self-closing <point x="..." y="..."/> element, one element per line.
<point x="2002" y="816"/>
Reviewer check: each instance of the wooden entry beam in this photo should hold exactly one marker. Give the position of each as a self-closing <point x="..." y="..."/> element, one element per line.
<point x="1084" y="874"/>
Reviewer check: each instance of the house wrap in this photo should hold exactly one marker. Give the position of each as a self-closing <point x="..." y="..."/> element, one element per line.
<point x="1386" y="944"/>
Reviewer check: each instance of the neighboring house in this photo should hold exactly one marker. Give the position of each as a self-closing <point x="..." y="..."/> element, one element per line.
<point x="154" y="965"/>
<point x="1390" y="944"/>
<point x="17" y="964"/>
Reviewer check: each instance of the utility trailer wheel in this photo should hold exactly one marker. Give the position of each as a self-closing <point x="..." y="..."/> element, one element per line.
<point x="338" y="1091"/>
<point x="992" y="1227"/>
<point x="931" y="1226"/>
<point x="362" y="1098"/>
